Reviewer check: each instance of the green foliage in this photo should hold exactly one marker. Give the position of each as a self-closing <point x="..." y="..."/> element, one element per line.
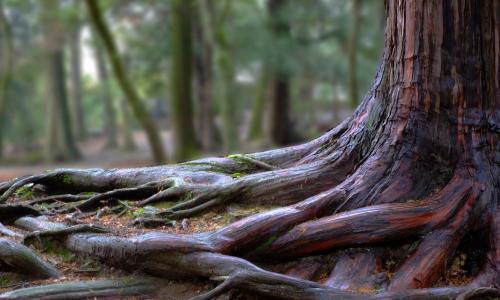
<point x="313" y="54"/>
<point x="24" y="193"/>
<point x="146" y="211"/>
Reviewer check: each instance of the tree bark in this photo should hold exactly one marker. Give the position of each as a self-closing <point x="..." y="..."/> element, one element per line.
<point x="417" y="162"/>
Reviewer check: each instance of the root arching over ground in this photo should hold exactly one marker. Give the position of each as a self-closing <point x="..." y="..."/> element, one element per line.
<point x="378" y="207"/>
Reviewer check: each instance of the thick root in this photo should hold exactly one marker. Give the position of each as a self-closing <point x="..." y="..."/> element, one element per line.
<point x="358" y="271"/>
<point x="124" y="287"/>
<point x="25" y="261"/>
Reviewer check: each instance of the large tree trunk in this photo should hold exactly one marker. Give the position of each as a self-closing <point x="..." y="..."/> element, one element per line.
<point x="204" y="74"/>
<point x="227" y="72"/>
<point x="76" y="77"/>
<point x="417" y="162"/>
<point x="56" y="85"/>
<point x="182" y="107"/>
<point x="280" y="131"/>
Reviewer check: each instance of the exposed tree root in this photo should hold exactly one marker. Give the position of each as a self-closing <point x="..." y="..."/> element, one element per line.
<point x="60" y="233"/>
<point x="25" y="261"/>
<point x="7" y="232"/>
<point x="358" y="271"/>
<point x="124" y="287"/>
<point x="305" y="269"/>
<point x="11" y="212"/>
<point x="419" y="159"/>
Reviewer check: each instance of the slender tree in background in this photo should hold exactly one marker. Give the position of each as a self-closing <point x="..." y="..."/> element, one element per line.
<point x="279" y="123"/>
<point x="414" y="172"/>
<point x="226" y="71"/>
<point x="126" y="85"/>
<point x="204" y="74"/>
<point x="256" y="129"/>
<point x="180" y="77"/>
<point x="128" y="142"/>
<point x="352" y="49"/>
<point x="125" y="124"/>
<point x="56" y="80"/>
<point x="106" y="97"/>
<point x="6" y="60"/>
<point x="74" y="40"/>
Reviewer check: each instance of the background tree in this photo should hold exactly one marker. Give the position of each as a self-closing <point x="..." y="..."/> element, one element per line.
<point x="204" y="74"/>
<point x="128" y="89"/>
<point x="352" y="53"/>
<point x="389" y="171"/>
<point x="6" y="53"/>
<point x="280" y="130"/>
<point x="106" y="97"/>
<point x="61" y="122"/>
<point x="181" y="75"/>
<point x="226" y="71"/>
<point x="74" y="40"/>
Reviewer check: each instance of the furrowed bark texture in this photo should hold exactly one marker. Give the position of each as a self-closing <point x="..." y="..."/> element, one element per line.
<point x="416" y="164"/>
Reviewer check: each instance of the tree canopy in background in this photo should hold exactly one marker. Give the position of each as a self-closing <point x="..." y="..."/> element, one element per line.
<point x="254" y="66"/>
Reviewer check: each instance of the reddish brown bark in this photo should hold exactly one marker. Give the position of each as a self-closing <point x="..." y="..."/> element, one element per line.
<point x="418" y="161"/>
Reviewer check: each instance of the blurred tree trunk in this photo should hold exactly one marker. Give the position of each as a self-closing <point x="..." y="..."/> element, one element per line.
<point x="56" y="80"/>
<point x="126" y="127"/>
<point x="256" y="129"/>
<point x="336" y="105"/>
<point x="204" y="74"/>
<point x="106" y="97"/>
<point x="128" y="89"/>
<point x="228" y="104"/>
<point x="280" y="130"/>
<point x="182" y="108"/>
<point x="7" y="51"/>
<point x="76" y="78"/>
<point x="352" y="53"/>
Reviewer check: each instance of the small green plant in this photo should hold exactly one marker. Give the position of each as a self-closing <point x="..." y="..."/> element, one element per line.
<point x="67" y="179"/>
<point x="237" y="175"/>
<point x="25" y="193"/>
<point x="138" y="212"/>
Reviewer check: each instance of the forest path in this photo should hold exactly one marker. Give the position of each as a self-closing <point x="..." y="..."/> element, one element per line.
<point x="95" y="156"/>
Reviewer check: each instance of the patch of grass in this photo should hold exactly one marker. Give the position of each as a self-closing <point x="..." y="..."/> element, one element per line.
<point x="237" y="175"/>
<point x="54" y="248"/>
<point x="24" y="193"/>
<point x="139" y="212"/>
<point x="145" y="211"/>
<point x="89" y="194"/>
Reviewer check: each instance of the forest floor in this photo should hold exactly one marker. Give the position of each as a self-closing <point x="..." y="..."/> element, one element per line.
<point x="75" y="268"/>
